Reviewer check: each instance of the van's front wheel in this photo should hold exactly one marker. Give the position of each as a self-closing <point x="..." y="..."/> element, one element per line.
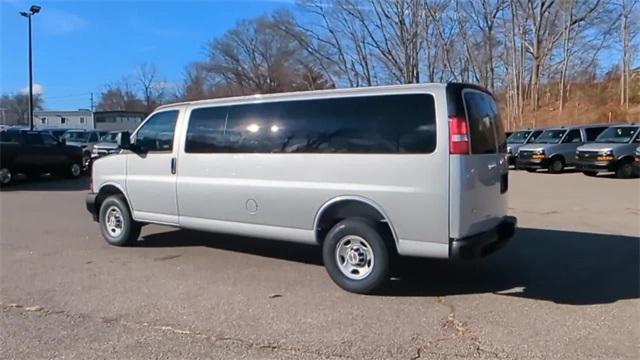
<point x="356" y="256"/>
<point x="116" y="224"/>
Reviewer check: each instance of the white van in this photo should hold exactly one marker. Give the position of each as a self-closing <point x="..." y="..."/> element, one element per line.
<point x="367" y="173"/>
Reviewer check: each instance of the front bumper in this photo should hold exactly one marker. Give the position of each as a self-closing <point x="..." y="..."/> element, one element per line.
<point x="531" y="163"/>
<point x="596" y="165"/>
<point x="485" y="243"/>
<point x="91" y="205"/>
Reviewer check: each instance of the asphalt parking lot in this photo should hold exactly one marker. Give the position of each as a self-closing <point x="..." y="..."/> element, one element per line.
<point x="566" y="287"/>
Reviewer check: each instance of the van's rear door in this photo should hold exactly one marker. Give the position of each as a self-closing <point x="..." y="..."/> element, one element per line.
<point x="479" y="179"/>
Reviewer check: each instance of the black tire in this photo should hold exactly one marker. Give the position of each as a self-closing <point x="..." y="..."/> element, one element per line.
<point x="7" y="176"/>
<point x="130" y="229"/>
<point x="590" y="173"/>
<point x="359" y="229"/>
<point x="624" y="170"/>
<point x="556" y="165"/>
<point x="531" y="170"/>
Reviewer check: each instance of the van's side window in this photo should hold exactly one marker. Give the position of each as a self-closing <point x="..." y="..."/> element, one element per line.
<point x="205" y="133"/>
<point x="157" y="133"/>
<point x="573" y="137"/>
<point x="482" y="115"/>
<point x="592" y="133"/>
<point x="370" y="124"/>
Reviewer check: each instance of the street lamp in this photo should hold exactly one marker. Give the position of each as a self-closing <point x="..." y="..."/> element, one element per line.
<point x="34" y="9"/>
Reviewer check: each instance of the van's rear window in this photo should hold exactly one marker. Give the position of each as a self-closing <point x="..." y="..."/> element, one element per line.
<point x="368" y="124"/>
<point x="485" y="126"/>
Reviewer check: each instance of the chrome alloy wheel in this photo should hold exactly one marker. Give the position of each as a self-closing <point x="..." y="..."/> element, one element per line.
<point x="354" y="257"/>
<point x="5" y="176"/>
<point x="75" y="170"/>
<point x="114" y="221"/>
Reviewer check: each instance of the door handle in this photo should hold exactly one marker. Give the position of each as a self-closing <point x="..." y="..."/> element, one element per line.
<point x="173" y="166"/>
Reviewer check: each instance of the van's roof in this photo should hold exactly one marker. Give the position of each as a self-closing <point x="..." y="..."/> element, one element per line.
<point x="585" y="126"/>
<point x="299" y="95"/>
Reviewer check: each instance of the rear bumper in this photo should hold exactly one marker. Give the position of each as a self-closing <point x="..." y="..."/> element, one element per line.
<point x="485" y="243"/>
<point x="596" y="165"/>
<point x="91" y="205"/>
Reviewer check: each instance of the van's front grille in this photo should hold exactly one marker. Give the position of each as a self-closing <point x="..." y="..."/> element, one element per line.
<point x="587" y="155"/>
<point x="525" y="154"/>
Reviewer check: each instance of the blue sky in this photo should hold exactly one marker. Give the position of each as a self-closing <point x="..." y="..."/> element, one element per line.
<point x="79" y="46"/>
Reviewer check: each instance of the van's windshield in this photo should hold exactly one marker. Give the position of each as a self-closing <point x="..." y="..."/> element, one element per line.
<point x="518" y="137"/>
<point x="619" y="135"/>
<point x="550" y="136"/>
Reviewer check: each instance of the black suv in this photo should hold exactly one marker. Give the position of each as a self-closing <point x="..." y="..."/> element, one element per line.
<point x="35" y="153"/>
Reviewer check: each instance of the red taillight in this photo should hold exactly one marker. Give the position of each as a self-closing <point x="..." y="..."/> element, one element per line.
<point x="458" y="135"/>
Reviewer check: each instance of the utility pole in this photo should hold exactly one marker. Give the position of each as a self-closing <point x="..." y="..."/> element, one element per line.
<point x="92" y="102"/>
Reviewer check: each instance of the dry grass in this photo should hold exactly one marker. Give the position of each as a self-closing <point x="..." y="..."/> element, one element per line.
<point x="595" y="102"/>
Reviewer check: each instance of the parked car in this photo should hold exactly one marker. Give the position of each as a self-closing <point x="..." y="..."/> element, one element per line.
<point x="517" y="139"/>
<point x="612" y="151"/>
<point x="85" y="139"/>
<point x="315" y="167"/>
<point x="34" y="153"/>
<point x="555" y="148"/>
<point x="57" y="133"/>
<point x="108" y="145"/>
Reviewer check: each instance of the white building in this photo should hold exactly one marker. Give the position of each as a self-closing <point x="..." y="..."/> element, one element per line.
<point x="80" y="119"/>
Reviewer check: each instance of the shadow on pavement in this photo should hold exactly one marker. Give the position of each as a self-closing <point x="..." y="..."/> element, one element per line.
<point x="47" y="183"/>
<point x="564" y="267"/>
<point x="308" y="254"/>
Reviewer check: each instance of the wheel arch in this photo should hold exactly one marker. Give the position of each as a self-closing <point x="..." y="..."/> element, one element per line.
<point x="108" y="189"/>
<point x="341" y="207"/>
<point x="558" y="155"/>
<point x="626" y="157"/>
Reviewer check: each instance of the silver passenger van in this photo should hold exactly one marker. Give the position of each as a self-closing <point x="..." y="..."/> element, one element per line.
<point x="369" y="174"/>
<point x="555" y="148"/>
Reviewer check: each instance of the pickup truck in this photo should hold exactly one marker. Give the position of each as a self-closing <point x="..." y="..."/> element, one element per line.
<point x="35" y="153"/>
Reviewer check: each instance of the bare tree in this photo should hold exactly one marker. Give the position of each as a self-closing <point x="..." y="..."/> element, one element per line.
<point x="153" y="89"/>
<point x="256" y="56"/>
<point x="121" y="96"/>
<point x="17" y="107"/>
<point x="628" y="31"/>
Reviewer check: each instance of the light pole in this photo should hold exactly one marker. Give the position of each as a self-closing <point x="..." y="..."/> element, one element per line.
<point x="34" y="9"/>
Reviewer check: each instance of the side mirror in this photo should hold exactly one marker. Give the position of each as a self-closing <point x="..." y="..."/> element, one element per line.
<point x="63" y="141"/>
<point x="124" y="140"/>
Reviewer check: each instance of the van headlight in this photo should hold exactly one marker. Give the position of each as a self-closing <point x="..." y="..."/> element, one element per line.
<point x="605" y="155"/>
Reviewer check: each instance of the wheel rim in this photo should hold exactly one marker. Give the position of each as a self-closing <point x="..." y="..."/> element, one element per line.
<point x="114" y="221"/>
<point x="75" y="169"/>
<point x="5" y="176"/>
<point x="354" y="257"/>
<point x="557" y="166"/>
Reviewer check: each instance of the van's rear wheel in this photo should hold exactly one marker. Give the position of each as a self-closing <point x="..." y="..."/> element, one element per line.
<point x="356" y="256"/>
<point x="116" y="224"/>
